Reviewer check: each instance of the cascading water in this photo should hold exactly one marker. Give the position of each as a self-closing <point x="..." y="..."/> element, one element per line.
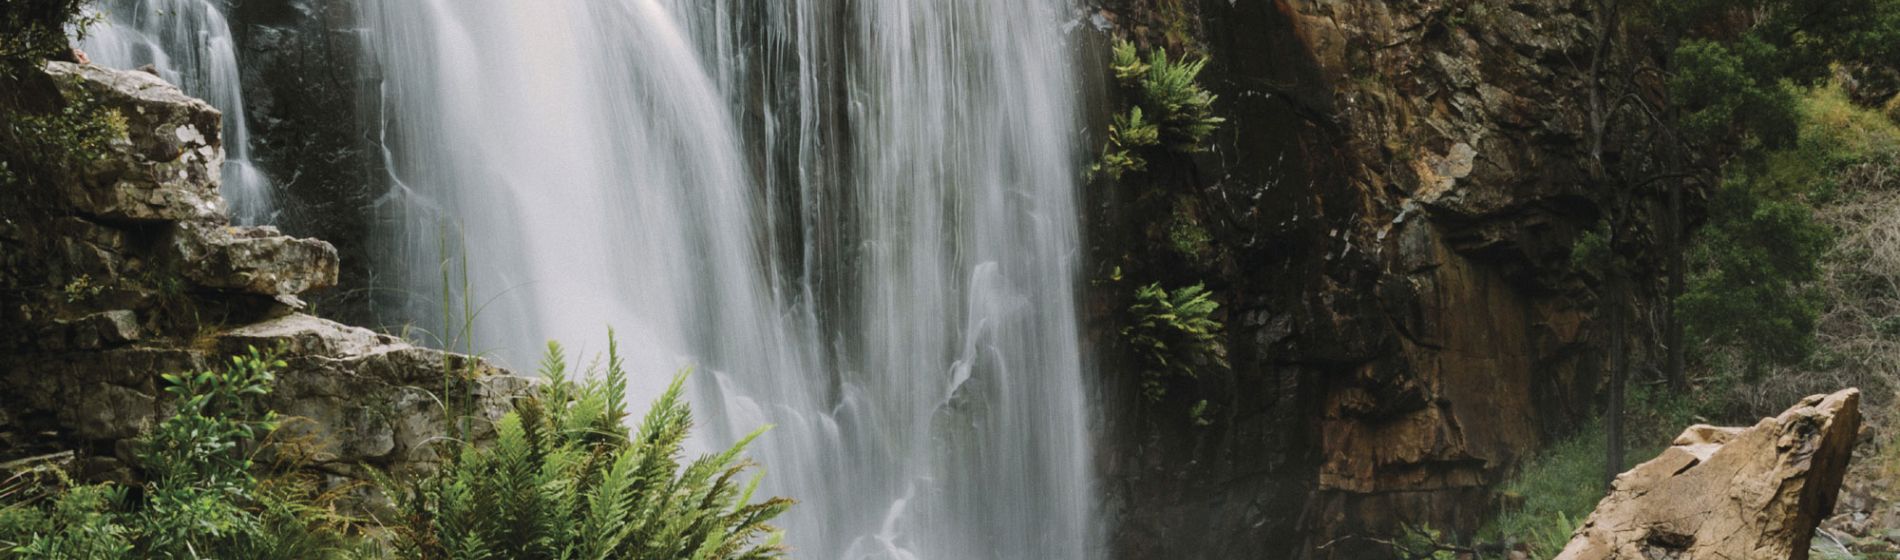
<point x="856" y="218"/>
<point x="189" y="43"/>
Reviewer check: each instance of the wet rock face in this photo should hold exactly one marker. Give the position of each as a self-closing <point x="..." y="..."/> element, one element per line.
<point x="1394" y="199"/>
<point x="1755" y="492"/>
<point x="309" y="90"/>
<point x="134" y="271"/>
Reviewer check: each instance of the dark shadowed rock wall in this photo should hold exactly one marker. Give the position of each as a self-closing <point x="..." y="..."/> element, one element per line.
<point x="1391" y="206"/>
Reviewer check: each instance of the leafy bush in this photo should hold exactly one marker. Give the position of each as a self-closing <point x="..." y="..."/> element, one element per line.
<point x="202" y="497"/>
<point x="1175" y="336"/>
<point x="566" y="479"/>
<point x="34" y="30"/>
<point x="57" y="146"/>
<point x="1170" y="109"/>
<point x="1754" y="263"/>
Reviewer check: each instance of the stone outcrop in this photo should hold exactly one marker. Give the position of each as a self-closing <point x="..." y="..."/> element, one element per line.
<point x="167" y="169"/>
<point x="1756" y="492"/>
<point x="133" y="271"/>
<point x="1392" y="205"/>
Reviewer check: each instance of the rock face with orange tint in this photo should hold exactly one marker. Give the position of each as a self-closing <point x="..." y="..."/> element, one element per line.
<point x="1755" y="492"/>
<point x="1392" y="207"/>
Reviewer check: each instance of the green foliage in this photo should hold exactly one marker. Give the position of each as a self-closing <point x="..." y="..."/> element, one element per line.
<point x="57" y="146"/>
<point x="1423" y="543"/>
<point x="82" y="523"/>
<point x="1175" y="335"/>
<point x="1749" y="285"/>
<point x="46" y="143"/>
<point x="34" y="30"/>
<point x="202" y="498"/>
<point x="1127" y="137"/>
<point x="1201" y="413"/>
<point x="1187" y="236"/>
<point x="1169" y="88"/>
<point x="81" y="288"/>
<point x="1554" y="492"/>
<point x="1591" y="252"/>
<point x="1733" y="68"/>
<point x="1725" y="97"/>
<point x="1753" y="263"/>
<point x="566" y="479"/>
<point x="1170" y="109"/>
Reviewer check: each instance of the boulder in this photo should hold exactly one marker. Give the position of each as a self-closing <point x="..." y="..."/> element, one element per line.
<point x="1755" y="492"/>
<point x="358" y="397"/>
<point x="252" y="260"/>
<point x="169" y="169"/>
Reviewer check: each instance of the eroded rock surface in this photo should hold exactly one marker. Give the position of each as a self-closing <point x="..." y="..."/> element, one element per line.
<point x="134" y="271"/>
<point x="1392" y="206"/>
<point x="1755" y="492"/>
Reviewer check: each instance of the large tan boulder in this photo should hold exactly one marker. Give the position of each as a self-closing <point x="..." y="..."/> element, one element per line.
<point x="1752" y="493"/>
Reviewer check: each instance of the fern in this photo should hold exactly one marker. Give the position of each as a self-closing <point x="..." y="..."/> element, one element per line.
<point x="566" y="480"/>
<point x="1175" y="335"/>
<point x="1170" y="109"/>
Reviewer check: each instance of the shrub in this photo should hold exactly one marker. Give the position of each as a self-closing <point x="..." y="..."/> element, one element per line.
<point x="202" y="497"/>
<point x="56" y="147"/>
<point x="1175" y="336"/>
<point x="1754" y="263"/>
<point x="566" y="479"/>
<point x="34" y="30"/>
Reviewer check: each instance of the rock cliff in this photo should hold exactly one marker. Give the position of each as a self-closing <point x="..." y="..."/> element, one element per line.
<point x="130" y="270"/>
<point x="1391" y="209"/>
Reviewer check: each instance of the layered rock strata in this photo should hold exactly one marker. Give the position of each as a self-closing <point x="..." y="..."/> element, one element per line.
<point x="131" y="269"/>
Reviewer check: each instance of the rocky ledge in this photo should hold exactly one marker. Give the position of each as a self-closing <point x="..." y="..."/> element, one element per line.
<point x="132" y="269"/>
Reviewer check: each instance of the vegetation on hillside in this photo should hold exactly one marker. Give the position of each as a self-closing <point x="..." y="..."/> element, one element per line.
<point x="41" y="142"/>
<point x="565" y="479"/>
<point x="205" y="493"/>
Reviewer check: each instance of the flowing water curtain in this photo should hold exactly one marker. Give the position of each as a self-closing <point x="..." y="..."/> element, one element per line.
<point x="925" y="152"/>
<point x="857" y="218"/>
<point x="189" y="43"/>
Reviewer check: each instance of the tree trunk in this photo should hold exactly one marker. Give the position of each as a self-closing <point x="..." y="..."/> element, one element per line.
<point x="1619" y="373"/>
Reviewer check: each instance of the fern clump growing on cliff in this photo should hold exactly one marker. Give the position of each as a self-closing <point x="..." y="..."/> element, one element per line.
<point x="1175" y="335"/>
<point x="566" y="479"/>
<point x="1169" y="109"/>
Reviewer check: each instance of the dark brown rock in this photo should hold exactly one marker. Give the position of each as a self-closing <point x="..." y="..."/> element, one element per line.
<point x="1399" y="189"/>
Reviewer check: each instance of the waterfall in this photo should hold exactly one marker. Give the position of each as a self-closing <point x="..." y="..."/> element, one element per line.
<point x="856" y="219"/>
<point x="189" y="43"/>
